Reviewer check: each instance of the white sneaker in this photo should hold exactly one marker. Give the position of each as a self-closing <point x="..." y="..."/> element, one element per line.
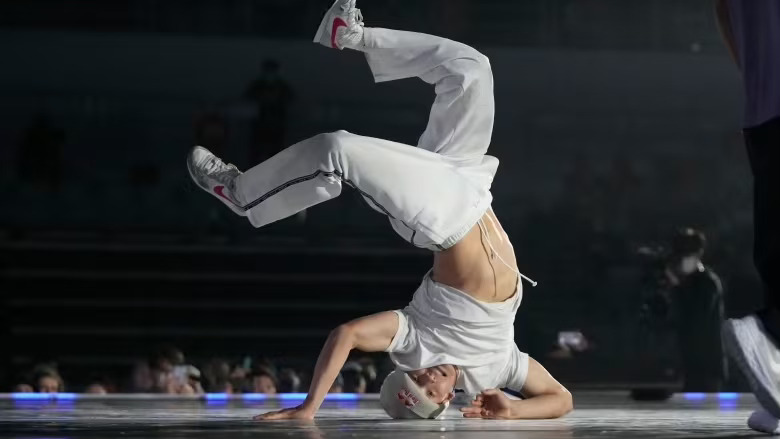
<point x="763" y="421"/>
<point x="757" y="357"/>
<point x="215" y="177"/>
<point x="342" y="26"/>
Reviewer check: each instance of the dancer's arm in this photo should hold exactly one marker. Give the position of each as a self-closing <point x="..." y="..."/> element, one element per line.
<point x="372" y="333"/>
<point x="545" y="397"/>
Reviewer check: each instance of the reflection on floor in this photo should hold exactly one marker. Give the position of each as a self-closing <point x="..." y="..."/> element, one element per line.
<point x="597" y="415"/>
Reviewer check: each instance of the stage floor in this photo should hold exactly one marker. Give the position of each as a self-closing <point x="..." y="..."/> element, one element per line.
<point x="596" y="415"/>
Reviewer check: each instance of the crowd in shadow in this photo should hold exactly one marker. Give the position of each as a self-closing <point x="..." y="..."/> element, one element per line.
<point x="168" y="371"/>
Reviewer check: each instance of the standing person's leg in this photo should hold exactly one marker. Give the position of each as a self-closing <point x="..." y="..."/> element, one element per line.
<point x="763" y="145"/>
<point x="749" y="29"/>
<point x="754" y="341"/>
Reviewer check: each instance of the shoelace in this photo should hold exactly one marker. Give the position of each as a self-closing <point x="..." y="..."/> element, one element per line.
<point x="212" y="165"/>
<point x="220" y="170"/>
<point x="357" y="16"/>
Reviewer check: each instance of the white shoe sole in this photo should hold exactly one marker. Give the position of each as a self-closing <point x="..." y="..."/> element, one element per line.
<point x="736" y="351"/>
<point x="325" y="22"/>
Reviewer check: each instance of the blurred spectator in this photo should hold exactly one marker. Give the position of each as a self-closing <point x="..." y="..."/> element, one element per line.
<point x="157" y="375"/>
<point x="216" y="376"/>
<point x="222" y="386"/>
<point x="353" y="379"/>
<point x="141" y="378"/>
<point x="165" y="375"/>
<point x="261" y="363"/>
<point x="369" y="371"/>
<point x="49" y="381"/>
<point x="289" y="381"/>
<point x="568" y="345"/>
<point x="697" y="294"/>
<point x="100" y="385"/>
<point x="184" y="379"/>
<point x="272" y="96"/>
<point x="194" y="379"/>
<point x="239" y="375"/>
<point x="684" y="302"/>
<point x="40" y="154"/>
<point x="96" y="389"/>
<point x="184" y="389"/>
<point x="262" y="380"/>
<point x="24" y="388"/>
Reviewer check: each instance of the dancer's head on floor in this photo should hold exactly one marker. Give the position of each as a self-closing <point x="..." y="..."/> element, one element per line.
<point x="423" y="393"/>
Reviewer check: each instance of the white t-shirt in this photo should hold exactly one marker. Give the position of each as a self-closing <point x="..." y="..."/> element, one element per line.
<point x="443" y="325"/>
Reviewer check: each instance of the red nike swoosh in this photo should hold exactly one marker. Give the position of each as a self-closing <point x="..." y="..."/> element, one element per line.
<point x="337" y="23"/>
<point x="219" y="190"/>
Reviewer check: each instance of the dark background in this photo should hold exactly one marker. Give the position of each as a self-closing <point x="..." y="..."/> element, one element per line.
<point x="617" y="123"/>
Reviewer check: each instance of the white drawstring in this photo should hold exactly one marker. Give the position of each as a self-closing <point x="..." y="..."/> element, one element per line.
<point x="500" y="236"/>
<point x="483" y="230"/>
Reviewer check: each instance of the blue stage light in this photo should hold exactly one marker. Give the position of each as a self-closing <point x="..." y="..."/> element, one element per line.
<point x="44" y="396"/>
<point x="343" y="396"/>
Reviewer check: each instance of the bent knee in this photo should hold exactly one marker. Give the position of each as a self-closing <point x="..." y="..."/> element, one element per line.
<point x="482" y="69"/>
<point x="335" y="147"/>
<point x="471" y="65"/>
<point x="472" y="71"/>
<point x="330" y="142"/>
<point x="478" y="60"/>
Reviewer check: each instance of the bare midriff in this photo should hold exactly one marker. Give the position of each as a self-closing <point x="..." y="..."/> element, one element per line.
<point x="472" y="266"/>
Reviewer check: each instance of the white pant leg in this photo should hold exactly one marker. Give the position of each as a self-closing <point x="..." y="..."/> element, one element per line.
<point x="429" y="202"/>
<point x="433" y="194"/>
<point x="460" y="124"/>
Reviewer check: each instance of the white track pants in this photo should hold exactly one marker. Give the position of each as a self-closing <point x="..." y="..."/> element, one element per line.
<point x="433" y="193"/>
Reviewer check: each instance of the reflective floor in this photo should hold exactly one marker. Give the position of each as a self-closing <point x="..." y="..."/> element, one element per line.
<point x="597" y="415"/>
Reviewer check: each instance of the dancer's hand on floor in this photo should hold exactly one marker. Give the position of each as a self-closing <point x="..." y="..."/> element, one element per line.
<point x="490" y="404"/>
<point x="290" y="413"/>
